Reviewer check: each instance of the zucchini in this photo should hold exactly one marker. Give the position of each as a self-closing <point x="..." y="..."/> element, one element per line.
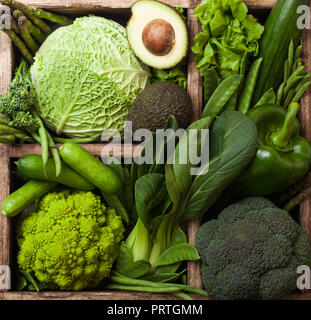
<point x="280" y="28"/>
<point x="32" y="167"/>
<point x="23" y="197"/>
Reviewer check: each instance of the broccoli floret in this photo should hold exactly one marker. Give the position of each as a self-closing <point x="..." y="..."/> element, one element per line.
<point x="70" y="240"/>
<point x="252" y="251"/>
<point x="257" y="203"/>
<point x="20" y="100"/>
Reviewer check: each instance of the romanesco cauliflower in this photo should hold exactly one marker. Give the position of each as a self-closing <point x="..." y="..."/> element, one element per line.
<point x="69" y="241"/>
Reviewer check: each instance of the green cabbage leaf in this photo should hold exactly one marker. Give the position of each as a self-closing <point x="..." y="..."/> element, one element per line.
<point x="86" y="77"/>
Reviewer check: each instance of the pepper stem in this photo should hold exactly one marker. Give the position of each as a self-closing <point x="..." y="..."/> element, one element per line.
<point x="281" y="139"/>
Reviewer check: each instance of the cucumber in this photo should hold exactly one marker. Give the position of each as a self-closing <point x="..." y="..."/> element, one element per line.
<point x="23" y="197"/>
<point x="280" y="28"/>
<point x="31" y="166"/>
<point x="91" y="168"/>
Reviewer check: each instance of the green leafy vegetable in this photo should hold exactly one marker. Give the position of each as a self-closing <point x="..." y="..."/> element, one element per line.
<point x="177" y="75"/>
<point x="156" y="246"/>
<point x="228" y="32"/>
<point x="82" y="91"/>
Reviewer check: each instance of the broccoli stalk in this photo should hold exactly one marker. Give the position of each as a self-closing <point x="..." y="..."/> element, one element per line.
<point x="19" y="106"/>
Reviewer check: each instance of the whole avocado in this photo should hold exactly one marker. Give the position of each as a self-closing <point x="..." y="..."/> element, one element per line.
<point x="155" y="104"/>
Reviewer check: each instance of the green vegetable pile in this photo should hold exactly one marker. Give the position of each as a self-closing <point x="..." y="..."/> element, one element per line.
<point x="252" y="251"/>
<point x="88" y="224"/>
<point x="69" y="241"/>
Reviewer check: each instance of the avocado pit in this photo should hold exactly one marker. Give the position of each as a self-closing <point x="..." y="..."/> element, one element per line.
<point x="159" y="37"/>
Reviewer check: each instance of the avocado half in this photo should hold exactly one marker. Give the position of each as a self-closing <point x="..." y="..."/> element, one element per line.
<point x="157" y="34"/>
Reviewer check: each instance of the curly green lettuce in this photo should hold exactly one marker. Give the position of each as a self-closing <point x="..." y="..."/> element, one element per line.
<point x="228" y="32"/>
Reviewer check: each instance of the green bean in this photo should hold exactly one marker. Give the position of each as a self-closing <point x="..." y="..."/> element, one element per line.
<point x="121" y="279"/>
<point x="24" y="138"/>
<point x="36" y="137"/>
<point x="221" y="96"/>
<point x="291" y="83"/>
<point x="182" y="295"/>
<point x="305" y="79"/>
<point x="78" y="140"/>
<point x="142" y="288"/>
<point x="43" y="138"/>
<point x="190" y="289"/>
<point x="299" y="71"/>
<point x="4" y="129"/>
<point x="243" y="64"/>
<point x="297" y="64"/>
<point x="267" y="97"/>
<point x="243" y="69"/>
<point x="298" y="52"/>
<point x="300" y="92"/>
<point x="289" y="98"/>
<point x="4" y="122"/>
<point x="8" y="139"/>
<point x="55" y="155"/>
<point x="286" y="71"/>
<point x="249" y="87"/>
<point x="280" y="94"/>
<point x="210" y="83"/>
<point x="291" y="53"/>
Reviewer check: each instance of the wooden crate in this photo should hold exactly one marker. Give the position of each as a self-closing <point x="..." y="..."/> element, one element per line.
<point x="196" y="92"/>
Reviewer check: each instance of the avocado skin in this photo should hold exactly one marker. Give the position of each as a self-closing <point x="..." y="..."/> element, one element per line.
<point x="156" y="103"/>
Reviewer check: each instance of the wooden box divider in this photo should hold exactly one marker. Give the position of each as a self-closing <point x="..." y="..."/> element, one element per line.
<point x="196" y="92"/>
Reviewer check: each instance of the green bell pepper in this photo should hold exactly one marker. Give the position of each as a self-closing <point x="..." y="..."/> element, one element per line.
<point x="283" y="156"/>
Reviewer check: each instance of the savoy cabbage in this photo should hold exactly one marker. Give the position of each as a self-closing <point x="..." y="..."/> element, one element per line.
<point x="86" y="77"/>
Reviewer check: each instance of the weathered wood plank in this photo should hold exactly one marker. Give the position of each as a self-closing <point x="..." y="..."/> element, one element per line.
<point x="19" y="150"/>
<point x="97" y="4"/>
<point x="6" y="68"/>
<point x="56" y="4"/>
<point x="305" y="120"/>
<point x="112" y="295"/>
<point x="6" y="62"/>
<point x="195" y="90"/>
<point x="98" y="295"/>
<point x="5" y="223"/>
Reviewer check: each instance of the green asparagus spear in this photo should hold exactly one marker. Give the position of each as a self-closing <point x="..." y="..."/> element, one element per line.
<point x="25" y="34"/>
<point x="20" y="45"/>
<point x="36" y="33"/>
<point x="51" y="16"/>
<point x="27" y="11"/>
